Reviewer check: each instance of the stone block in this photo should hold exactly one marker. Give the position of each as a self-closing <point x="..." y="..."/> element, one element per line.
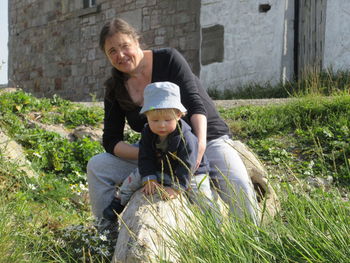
<point x="182" y="18"/>
<point x="155" y="21"/>
<point x="159" y="40"/>
<point x="146" y="11"/>
<point x="110" y="13"/>
<point x="91" y="54"/>
<point x="134" y="17"/>
<point x="146" y="23"/>
<point x="140" y="3"/>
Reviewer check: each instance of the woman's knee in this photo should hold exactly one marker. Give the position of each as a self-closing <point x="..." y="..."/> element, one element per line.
<point x="95" y="162"/>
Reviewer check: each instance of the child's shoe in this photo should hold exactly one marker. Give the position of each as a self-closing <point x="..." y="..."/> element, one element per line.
<point x="111" y="211"/>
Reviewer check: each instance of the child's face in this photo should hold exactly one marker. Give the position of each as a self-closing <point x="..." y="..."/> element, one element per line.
<point x="163" y="124"/>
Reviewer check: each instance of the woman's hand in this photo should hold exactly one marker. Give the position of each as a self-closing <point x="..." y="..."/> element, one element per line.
<point x="169" y="193"/>
<point x="201" y="150"/>
<point x="150" y="187"/>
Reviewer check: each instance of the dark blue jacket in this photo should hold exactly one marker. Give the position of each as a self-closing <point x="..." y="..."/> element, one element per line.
<point x="181" y="155"/>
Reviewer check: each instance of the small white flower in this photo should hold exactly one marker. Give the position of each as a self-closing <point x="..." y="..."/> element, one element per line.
<point x="308" y="173"/>
<point x="83" y="187"/>
<point x="61" y="242"/>
<point x="79" y="175"/>
<point x="37" y="154"/>
<point x="311" y="164"/>
<point x="32" y="186"/>
<point x="103" y="237"/>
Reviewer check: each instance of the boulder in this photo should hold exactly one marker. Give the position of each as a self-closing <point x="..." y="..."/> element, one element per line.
<point x="95" y="134"/>
<point x="13" y="151"/>
<point x="145" y="226"/>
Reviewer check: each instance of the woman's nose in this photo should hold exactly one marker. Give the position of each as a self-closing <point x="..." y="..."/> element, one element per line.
<point x="118" y="54"/>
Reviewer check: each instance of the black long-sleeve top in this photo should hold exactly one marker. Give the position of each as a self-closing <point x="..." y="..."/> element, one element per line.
<point x="168" y="65"/>
<point x="177" y="161"/>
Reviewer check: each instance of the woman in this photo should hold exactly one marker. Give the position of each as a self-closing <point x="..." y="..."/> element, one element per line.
<point x="133" y="69"/>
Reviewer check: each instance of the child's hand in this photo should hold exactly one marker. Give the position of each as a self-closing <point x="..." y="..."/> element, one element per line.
<point x="150" y="187"/>
<point x="169" y="193"/>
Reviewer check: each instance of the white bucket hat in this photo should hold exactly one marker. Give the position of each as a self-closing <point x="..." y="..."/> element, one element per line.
<point x="162" y="95"/>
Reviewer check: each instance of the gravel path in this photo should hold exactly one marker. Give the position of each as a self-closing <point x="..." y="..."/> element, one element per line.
<point x="224" y="103"/>
<point x="219" y="103"/>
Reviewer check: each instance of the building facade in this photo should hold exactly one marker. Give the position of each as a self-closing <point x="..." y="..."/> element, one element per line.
<point x="53" y="45"/>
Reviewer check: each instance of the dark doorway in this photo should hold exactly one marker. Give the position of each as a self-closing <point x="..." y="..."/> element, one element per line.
<point x="309" y="25"/>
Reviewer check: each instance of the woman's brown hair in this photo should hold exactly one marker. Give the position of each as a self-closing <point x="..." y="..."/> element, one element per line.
<point x="117" y="25"/>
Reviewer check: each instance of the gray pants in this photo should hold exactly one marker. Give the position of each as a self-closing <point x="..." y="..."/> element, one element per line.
<point x="106" y="171"/>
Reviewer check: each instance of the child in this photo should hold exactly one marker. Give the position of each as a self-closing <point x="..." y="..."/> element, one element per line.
<point x="167" y="154"/>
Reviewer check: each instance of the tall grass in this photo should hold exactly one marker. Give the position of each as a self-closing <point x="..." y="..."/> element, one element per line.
<point x="311" y="227"/>
<point x="325" y="83"/>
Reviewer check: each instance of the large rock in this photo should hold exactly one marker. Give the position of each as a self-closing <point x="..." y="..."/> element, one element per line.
<point x="95" y="134"/>
<point x="145" y="227"/>
<point x="267" y="197"/>
<point x="14" y="153"/>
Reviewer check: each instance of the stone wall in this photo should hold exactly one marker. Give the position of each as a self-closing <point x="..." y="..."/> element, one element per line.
<point x="53" y="45"/>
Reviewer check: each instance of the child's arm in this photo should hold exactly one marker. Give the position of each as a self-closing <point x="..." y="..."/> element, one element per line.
<point x="187" y="157"/>
<point x="169" y="193"/>
<point x="146" y="162"/>
<point x="150" y="187"/>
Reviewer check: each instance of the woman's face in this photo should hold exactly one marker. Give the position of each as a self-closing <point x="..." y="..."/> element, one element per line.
<point x="123" y="52"/>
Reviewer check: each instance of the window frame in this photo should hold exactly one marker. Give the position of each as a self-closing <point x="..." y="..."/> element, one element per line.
<point x="89" y="3"/>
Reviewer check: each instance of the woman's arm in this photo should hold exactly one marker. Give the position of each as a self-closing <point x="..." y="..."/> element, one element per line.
<point x="126" y="151"/>
<point x="113" y="132"/>
<point x="199" y="125"/>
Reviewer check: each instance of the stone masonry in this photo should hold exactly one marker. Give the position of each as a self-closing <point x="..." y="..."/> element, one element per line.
<point x="53" y="45"/>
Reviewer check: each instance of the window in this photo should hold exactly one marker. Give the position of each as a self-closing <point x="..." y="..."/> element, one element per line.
<point x="89" y="7"/>
<point x="264" y="8"/>
<point x="212" y="47"/>
<point x="89" y="3"/>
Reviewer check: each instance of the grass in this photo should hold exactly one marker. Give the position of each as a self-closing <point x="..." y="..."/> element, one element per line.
<point x="310" y="129"/>
<point x="47" y="219"/>
<point x="325" y="83"/>
<point x="312" y="227"/>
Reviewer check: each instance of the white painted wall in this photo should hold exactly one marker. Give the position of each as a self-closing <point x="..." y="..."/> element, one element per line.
<point x="337" y="37"/>
<point x="253" y="42"/>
